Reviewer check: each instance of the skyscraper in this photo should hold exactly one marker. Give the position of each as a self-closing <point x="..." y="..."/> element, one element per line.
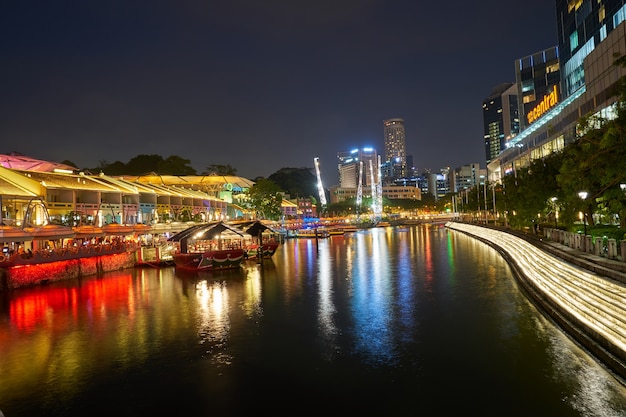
<point x="500" y="119"/>
<point x="395" y="145"/>
<point x="581" y="26"/>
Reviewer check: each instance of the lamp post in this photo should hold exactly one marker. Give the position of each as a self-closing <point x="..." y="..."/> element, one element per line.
<point x="583" y="196"/>
<point x="556" y="212"/>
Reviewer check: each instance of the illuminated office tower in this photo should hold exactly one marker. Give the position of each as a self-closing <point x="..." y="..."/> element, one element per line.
<point x="581" y="26"/>
<point x="395" y="146"/>
<point x="500" y="119"/>
<point x="349" y="164"/>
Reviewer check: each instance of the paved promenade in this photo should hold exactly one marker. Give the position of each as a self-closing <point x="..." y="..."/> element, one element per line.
<point x="610" y="268"/>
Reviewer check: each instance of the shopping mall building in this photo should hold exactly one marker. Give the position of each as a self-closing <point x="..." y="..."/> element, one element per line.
<point x="591" y="35"/>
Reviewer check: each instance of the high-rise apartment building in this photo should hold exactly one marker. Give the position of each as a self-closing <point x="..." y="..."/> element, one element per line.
<point x="500" y="119"/>
<point x="395" y="146"/>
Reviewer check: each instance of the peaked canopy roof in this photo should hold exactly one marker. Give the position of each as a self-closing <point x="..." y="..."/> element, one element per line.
<point x="208" y="231"/>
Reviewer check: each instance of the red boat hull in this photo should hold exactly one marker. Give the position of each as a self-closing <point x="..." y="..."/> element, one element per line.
<point x="267" y="250"/>
<point x="210" y="260"/>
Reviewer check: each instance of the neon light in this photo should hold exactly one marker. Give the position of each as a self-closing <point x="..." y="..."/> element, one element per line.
<point x="549" y="100"/>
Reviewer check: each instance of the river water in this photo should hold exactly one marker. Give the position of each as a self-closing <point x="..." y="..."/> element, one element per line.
<point x="381" y="322"/>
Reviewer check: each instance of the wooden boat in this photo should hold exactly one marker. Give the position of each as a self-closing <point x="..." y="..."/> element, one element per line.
<point x="314" y="233"/>
<point x="265" y="240"/>
<point x="335" y="231"/>
<point x="209" y="246"/>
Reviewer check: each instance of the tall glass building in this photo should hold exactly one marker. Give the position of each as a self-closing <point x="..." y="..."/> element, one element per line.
<point x="583" y="25"/>
<point x="590" y="32"/>
<point x="395" y="145"/>
<point x="500" y="119"/>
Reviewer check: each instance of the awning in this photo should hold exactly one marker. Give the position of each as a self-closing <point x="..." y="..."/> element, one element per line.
<point x="14" y="234"/>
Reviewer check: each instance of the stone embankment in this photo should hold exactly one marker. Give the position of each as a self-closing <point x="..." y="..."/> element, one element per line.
<point x="586" y="298"/>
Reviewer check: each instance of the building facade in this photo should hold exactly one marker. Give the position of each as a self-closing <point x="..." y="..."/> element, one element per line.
<point x="537" y="76"/>
<point x="407" y="192"/>
<point x="466" y="177"/>
<point x="590" y="33"/>
<point x="357" y="166"/>
<point x="500" y="119"/>
<point x="581" y="27"/>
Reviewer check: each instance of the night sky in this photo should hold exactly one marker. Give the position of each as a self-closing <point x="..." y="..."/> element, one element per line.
<point x="258" y="85"/>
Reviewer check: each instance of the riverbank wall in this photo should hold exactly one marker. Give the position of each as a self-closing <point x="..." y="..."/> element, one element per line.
<point x="41" y="273"/>
<point x="592" y="314"/>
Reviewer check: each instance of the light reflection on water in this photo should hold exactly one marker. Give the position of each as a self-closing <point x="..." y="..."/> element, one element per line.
<point x="411" y="317"/>
<point x="372" y="301"/>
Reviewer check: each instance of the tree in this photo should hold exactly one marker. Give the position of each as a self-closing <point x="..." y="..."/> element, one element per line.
<point x="265" y="197"/>
<point x="297" y="182"/>
<point x="70" y="163"/>
<point x="175" y="165"/>
<point x="116" y="168"/>
<point x="217" y="169"/>
<point x="144" y="164"/>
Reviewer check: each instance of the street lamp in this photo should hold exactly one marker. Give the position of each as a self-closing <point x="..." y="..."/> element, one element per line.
<point x="556" y="212"/>
<point x="583" y="196"/>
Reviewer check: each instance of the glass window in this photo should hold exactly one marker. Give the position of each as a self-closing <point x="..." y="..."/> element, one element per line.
<point x="573" y="41"/>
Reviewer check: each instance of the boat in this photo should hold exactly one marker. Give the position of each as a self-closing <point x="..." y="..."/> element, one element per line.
<point x="349" y="228"/>
<point x="383" y="224"/>
<point x="335" y="231"/>
<point x="209" y="246"/>
<point x="314" y="233"/>
<point x="265" y="240"/>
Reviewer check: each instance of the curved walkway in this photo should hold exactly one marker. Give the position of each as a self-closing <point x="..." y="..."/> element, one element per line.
<point x="589" y="306"/>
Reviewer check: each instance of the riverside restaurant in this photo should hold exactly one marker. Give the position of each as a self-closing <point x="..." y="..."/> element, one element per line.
<point x="57" y="222"/>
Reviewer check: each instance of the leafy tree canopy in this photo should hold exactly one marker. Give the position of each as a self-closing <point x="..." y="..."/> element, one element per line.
<point x="297" y="182"/>
<point x="70" y="163"/>
<point x="218" y="169"/>
<point x="144" y="164"/>
<point x="265" y="198"/>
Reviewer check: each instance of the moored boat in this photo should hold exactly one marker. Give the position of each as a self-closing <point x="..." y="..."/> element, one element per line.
<point x="209" y="246"/>
<point x="265" y="240"/>
<point x="315" y="233"/>
<point x="335" y="231"/>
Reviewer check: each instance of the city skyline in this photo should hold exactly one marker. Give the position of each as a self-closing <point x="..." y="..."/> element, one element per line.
<point x="257" y="86"/>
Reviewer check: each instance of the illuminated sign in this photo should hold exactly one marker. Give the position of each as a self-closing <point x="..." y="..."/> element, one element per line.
<point x="549" y="101"/>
